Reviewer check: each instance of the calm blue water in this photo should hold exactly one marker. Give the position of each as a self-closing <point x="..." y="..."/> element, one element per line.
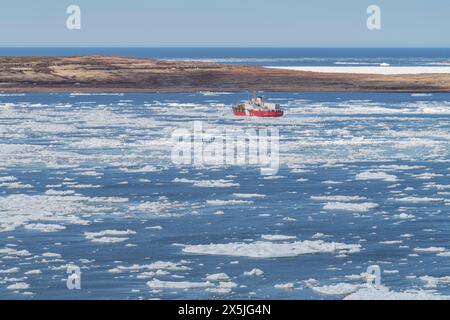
<point x="88" y="180"/>
<point x="261" y="56"/>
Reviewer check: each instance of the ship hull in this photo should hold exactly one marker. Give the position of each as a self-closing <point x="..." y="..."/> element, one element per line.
<point x="259" y="113"/>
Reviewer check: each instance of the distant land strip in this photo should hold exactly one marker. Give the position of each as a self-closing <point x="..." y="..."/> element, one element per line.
<point x="124" y="74"/>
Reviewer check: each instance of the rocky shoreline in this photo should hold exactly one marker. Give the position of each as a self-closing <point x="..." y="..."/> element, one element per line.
<point x="123" y="74"/>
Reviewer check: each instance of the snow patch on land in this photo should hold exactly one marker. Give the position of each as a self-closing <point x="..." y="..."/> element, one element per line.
<point x="383" y="70"/>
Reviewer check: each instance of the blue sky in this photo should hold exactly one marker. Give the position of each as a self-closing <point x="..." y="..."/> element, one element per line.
<point x="225" y="23"/>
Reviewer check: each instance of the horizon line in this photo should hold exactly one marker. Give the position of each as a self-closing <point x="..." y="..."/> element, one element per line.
<point x="210" y="47"/>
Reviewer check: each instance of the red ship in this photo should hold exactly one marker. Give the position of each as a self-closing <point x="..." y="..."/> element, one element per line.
<point x="257" y="107"/>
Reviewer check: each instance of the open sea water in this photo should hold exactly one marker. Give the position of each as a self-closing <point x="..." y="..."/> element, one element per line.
<point x="87" y="180"/>
<point x="294" y="57"/>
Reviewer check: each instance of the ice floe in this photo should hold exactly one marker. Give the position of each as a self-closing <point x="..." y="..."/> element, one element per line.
<point x="26" y="210"/>
<point x="109" y="236"/>
<point x="385" y="293"/>
<point x="371" y="175"/>
<point x="178" y="285"/>
<point x="340" y="289"/>
<point x="155" y="266"/>
<point x="333" y="153"/>
<point x="404" y="216"/>
<point x="222" y="183"/>
<point x="161" y="208"/>
<point x="249" y="195"/>
<point x="45" y="227"/>
<point x="227" y="202"/>
<point x="284" y="286"/>
<point x="9" y="271"/>
<point x="434" y="282"/>
<point x="218" y="277"/>
<point x="18" y="286"/>
<point x="254" y="273"/>
<point x="276" y="237"/>
<point x="352" y="207"/>
<point x="262" y="249"/>
<point x="338" y="198"/>
<point x="33" y="272"/>
<point x="419" y="199"/>
<point x="430" y="250"/>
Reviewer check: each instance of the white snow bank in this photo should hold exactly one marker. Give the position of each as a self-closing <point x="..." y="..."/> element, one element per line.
<point x="383" y="70"/>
